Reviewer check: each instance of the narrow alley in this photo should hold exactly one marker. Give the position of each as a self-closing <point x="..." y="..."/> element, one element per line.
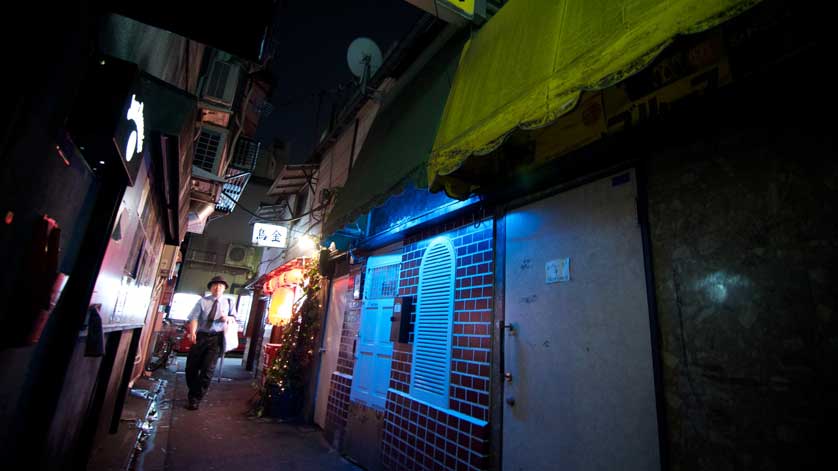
<point x="223" y="434"/>
<point x="418" y="235"/>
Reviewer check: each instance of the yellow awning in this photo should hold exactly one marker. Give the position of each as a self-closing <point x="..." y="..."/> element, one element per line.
<point x="530" y="63"/>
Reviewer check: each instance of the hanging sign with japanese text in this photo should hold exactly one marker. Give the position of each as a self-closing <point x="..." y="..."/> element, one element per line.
<point x="269" y="235"/>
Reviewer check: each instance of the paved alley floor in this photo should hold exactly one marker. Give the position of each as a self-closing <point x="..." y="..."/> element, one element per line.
<point x="221" y="435"/>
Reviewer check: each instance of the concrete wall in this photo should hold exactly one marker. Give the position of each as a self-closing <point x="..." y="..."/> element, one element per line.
<point x="72" y="216"/>
<point x="63" y="436"/>
<point x="132" y="41"/>
<point x="35" y="181"/>
<point x="47" y="61"/>
<point x="745" y="255"/>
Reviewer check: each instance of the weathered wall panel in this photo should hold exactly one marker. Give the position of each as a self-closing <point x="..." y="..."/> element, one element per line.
<point x="745" y="253"/>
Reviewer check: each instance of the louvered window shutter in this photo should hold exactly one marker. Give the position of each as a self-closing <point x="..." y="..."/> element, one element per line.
<point x="430" y="376"/>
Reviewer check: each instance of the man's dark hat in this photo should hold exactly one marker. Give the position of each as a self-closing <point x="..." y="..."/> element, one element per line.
<point x="217" y="279"/>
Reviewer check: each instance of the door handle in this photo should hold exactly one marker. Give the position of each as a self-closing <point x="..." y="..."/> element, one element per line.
<point x="512" y="328"/>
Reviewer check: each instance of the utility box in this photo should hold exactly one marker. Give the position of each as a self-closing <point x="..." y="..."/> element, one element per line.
<point x="400" y="326"/>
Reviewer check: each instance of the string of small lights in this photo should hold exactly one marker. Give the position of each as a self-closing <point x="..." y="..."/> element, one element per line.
<point x="290" y="366"/>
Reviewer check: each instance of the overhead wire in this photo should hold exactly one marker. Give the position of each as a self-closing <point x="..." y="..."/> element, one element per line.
<point x="290" y="229"/>
<point x="301" y="216"/>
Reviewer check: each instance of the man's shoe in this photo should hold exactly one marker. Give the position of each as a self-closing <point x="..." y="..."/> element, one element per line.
<point x="192" y="405"/>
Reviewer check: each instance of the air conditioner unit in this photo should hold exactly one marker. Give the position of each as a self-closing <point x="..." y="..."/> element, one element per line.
<point x="221" y="82"/>
<point x="239" y="255"/>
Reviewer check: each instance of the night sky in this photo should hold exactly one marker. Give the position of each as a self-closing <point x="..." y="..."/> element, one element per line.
<point x="311" y="39"/>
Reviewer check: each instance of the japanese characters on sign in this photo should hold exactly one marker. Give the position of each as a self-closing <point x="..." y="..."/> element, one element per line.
<point x="269" y="235"/>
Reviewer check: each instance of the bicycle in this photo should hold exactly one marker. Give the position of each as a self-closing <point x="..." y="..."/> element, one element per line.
<point x="167" y="341"/>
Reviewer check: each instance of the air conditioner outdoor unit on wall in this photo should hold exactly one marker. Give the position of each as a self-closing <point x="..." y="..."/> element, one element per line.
<point x="239" y="255"/>
<point x="221" y="82"/>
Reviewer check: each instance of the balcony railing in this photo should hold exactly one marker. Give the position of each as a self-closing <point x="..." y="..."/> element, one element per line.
<point x="232" y="190"/>
<point x="246" y="154"/>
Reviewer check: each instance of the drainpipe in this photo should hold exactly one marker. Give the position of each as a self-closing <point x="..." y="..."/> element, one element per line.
<point x="352" y="151"/>
<point x="239" y="125"/>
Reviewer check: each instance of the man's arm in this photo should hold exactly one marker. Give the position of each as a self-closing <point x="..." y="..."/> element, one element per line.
<point x="191" y="329"/>
<point x="192" y="322"/>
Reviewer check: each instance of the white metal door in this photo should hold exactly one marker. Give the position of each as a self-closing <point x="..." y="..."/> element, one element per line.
<point x="580" y="394"/>
<point x="374" y="351"/>
<point x="331" y="346"/>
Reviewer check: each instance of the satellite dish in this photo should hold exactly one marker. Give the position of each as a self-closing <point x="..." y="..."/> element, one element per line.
<point x="364" y="58"/>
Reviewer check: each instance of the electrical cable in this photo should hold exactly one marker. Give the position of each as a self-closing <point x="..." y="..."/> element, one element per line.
<point x="239" y="205"/>
<point x="306" y="232"/>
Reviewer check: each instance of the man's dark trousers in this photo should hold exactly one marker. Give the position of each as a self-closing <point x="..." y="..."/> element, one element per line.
<point x="200" y="364"/>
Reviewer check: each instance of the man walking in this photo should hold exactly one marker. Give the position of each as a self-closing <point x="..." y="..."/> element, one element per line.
<point x="205" y="327"/>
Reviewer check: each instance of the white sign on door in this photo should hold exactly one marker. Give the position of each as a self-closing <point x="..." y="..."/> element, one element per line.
<point x="557" y="270"/>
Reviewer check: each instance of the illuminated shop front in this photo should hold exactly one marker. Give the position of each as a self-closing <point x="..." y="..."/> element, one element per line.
<point x="282" y="290"/>
<point x="285" y="291"/>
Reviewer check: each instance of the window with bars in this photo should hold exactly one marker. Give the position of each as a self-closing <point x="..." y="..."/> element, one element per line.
<point x="431" y="370"/>
<point x="247" y="152"/>
<point x="383" y="282"/>
<point x="208" y="149"/>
